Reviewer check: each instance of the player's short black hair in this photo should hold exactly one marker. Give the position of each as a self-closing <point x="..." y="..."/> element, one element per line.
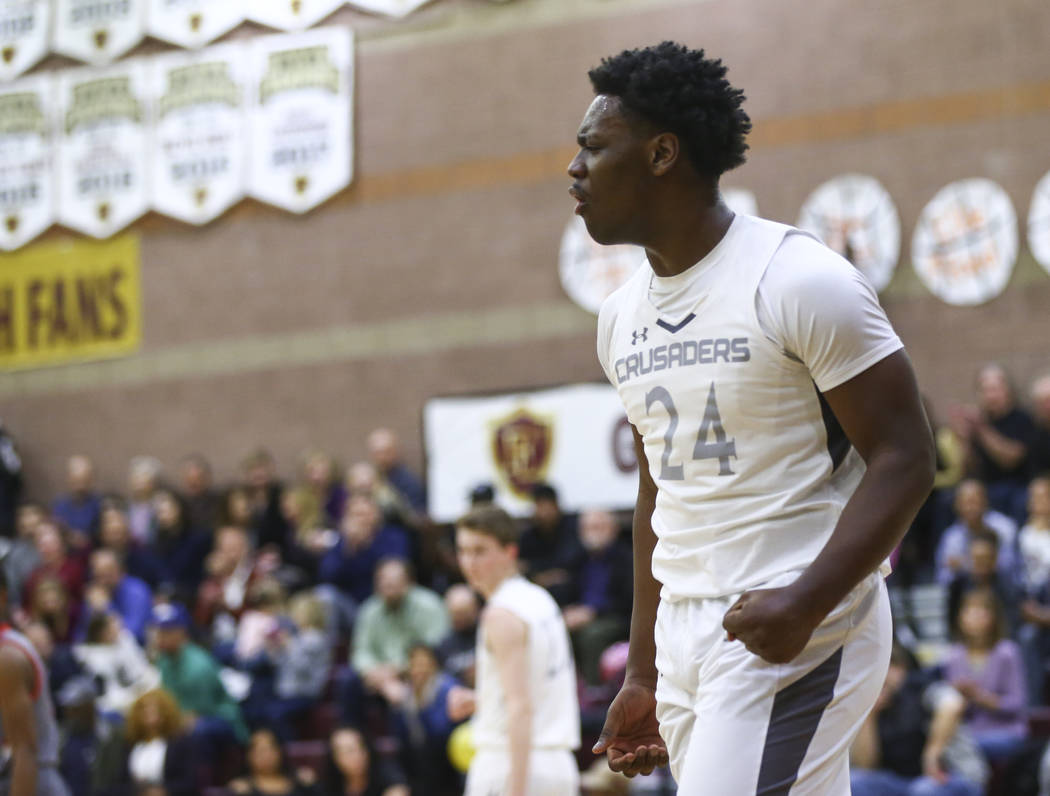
<point x="684" y="92"/>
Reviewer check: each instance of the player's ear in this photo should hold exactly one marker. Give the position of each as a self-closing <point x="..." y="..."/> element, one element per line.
<point x="663" y="153"/>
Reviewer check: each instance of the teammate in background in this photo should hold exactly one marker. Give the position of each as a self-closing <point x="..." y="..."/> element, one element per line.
<point x="748" y="357"/>
<point x="27" y="718"/>
<point x="527" y="719"/>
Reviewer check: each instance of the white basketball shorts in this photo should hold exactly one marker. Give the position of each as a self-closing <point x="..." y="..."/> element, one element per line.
<point x="736" y="725"/>
<point x="552" y="772"/>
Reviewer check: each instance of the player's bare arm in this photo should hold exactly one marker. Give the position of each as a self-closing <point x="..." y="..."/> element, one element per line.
<point x="631" y="736"/>
<point x="507" y="638"/>
<point x="882" y="416"/>
<point x="16" y="706"/>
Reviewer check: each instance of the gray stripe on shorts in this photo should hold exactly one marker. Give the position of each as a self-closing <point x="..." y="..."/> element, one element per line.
<point x="792" y="723"/>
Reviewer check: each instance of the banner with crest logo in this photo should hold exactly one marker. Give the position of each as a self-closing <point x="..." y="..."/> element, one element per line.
<point x="575" y="438"/>
<point x="27" y="192"/>
<point x="24" y="30"/>
<point x="300" y="117"/>
<point x="198" y="149"/>
<point x="193" y="23"/>
<point x="103" y="148"/>
<point x="391" y="8"/>
<point x="291" y="14"/>
<point x="98" y="31"/>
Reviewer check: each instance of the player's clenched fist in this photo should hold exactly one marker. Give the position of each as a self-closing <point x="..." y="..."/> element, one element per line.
<point x="772" y="623"/>
<point x="631" y="735"/>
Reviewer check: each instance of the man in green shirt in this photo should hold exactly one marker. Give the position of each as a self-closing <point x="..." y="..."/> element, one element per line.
<point x="399" y="615"/>
<point x="191" y="674"/>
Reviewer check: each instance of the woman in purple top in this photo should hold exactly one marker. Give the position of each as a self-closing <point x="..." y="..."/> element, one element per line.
<point x="987" y="670"/>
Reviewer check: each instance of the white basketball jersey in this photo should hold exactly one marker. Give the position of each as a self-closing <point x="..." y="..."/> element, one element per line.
<point x="552" y="673"/>
<point x="751" y="467"/>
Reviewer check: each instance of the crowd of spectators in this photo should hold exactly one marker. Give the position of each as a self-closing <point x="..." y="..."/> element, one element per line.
<point x="297" y="637"/>
<point x="304" y="636"/>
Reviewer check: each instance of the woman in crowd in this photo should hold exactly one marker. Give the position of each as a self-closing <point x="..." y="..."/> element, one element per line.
<point x="114" y="658"/>
<point x="353" y="769"/>
<point x="987" y="669"/>
<point x="268" y="773"/>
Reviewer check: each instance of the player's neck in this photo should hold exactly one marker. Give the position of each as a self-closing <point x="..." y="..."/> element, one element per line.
<point x="496" y="583"/>
<point x="685" y="237"/>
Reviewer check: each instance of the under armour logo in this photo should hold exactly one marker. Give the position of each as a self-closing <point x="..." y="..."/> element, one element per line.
<point x="642" y="335"/>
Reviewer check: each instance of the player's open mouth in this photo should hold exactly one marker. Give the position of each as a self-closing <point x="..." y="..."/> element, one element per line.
<point x="581" y="199"/>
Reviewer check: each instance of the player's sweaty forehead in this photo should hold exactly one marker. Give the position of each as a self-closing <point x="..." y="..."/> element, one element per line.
<point x="605" y="115"/>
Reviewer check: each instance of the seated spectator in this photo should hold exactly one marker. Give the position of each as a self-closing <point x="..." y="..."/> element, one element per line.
<point x="236" y="508"/>
<point x="268" y="772"/>
<point x="115" y="535"/>
<point x="83" y="734"/>
<point x="201" y="501"/>
<point x="56" y="562"/>
<point x="49" y="604"/>
<point x="19" y="556"/>
<point x="983" y="572"/>
<point x="143" y="481"/>
<point x="354" y="768"/>
<point x="986" y="668"/>
<point x="350" y="565"/>
<point x="180" y="547"/>
<point x="80" y="508"/>
<point x="119" y="665"/>
<point x="231" y="570"/>
<point x="155" y="752"/>
<point x="191" y="675"/>
<point x="912" y="742"/>
<point x="264" y="491"/>
<point x="1034" y="537"/>
<point x="384" y="450"/>
<point x="399" y="615"/>
<point x="362" y="478"/>
<point x="422" y="726"/>
<point x="112" y="589"/>
<point x="998" y="434"/>
<point x="1039" y="453"/>
<point x="457" y="650"/>
<point x="600" y="612"/>
<point x="549" y="547"/>
<point x="62" y="665"/>
<point x="971" y="506"/>
<point x="325" y="495"/>
<point x="262" y="617"/>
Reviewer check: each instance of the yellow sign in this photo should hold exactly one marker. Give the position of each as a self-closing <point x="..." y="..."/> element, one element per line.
<point x="69" y="301"/>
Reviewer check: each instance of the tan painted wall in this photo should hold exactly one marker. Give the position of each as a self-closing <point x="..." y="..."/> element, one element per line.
<point x="436" y="272"/>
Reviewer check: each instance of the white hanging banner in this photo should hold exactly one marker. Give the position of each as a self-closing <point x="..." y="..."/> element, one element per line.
<point x="575" y="438"/>
<point x="391" y="8"/>
<point x="98" y="31"/>
<point x="300" y="117"/>
<point x="103" y="151"/>
<point x="1039" y="223"/>
<point x="590" y="271"/>
<point x="855" y="216"/>
<point x="291" y="14"/>
<point x="198" y="155"/>
<point x="23" y="35"/>
<point x="193" y="23"/>
<point x="27" y="193"/>
<point x="740" y="200"/>
<point x="965" y="243"/>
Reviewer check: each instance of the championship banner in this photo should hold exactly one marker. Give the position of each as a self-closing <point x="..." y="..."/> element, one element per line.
<point x="24" y="28"/>
<point x="291" y="14"/>
<point x="965" y="243"/>
<point x="102" y="148"/>
<point x="97" y="31"/>
<point x="27" y="190"/>
<point x="575" y="438"/>
<point x="589" y="271"/>
<point x="69" y="301"/>
<point x="197" y="151"/>
<point x="391" y="8"/>
<point x="1039" y="223"/>
<point x="300" y="117"/>
<point x="193" y="23"/>
<point x="856" y="217"/>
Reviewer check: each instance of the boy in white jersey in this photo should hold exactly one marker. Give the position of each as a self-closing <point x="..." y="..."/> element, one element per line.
<point x="527" y="718"/>
<point x="782" y="449"/>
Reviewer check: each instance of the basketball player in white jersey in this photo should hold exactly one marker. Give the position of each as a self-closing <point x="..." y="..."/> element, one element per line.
<point x="28" y="731"/>
<point x="782" y="449"/>
<point x="527" y="717"/>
